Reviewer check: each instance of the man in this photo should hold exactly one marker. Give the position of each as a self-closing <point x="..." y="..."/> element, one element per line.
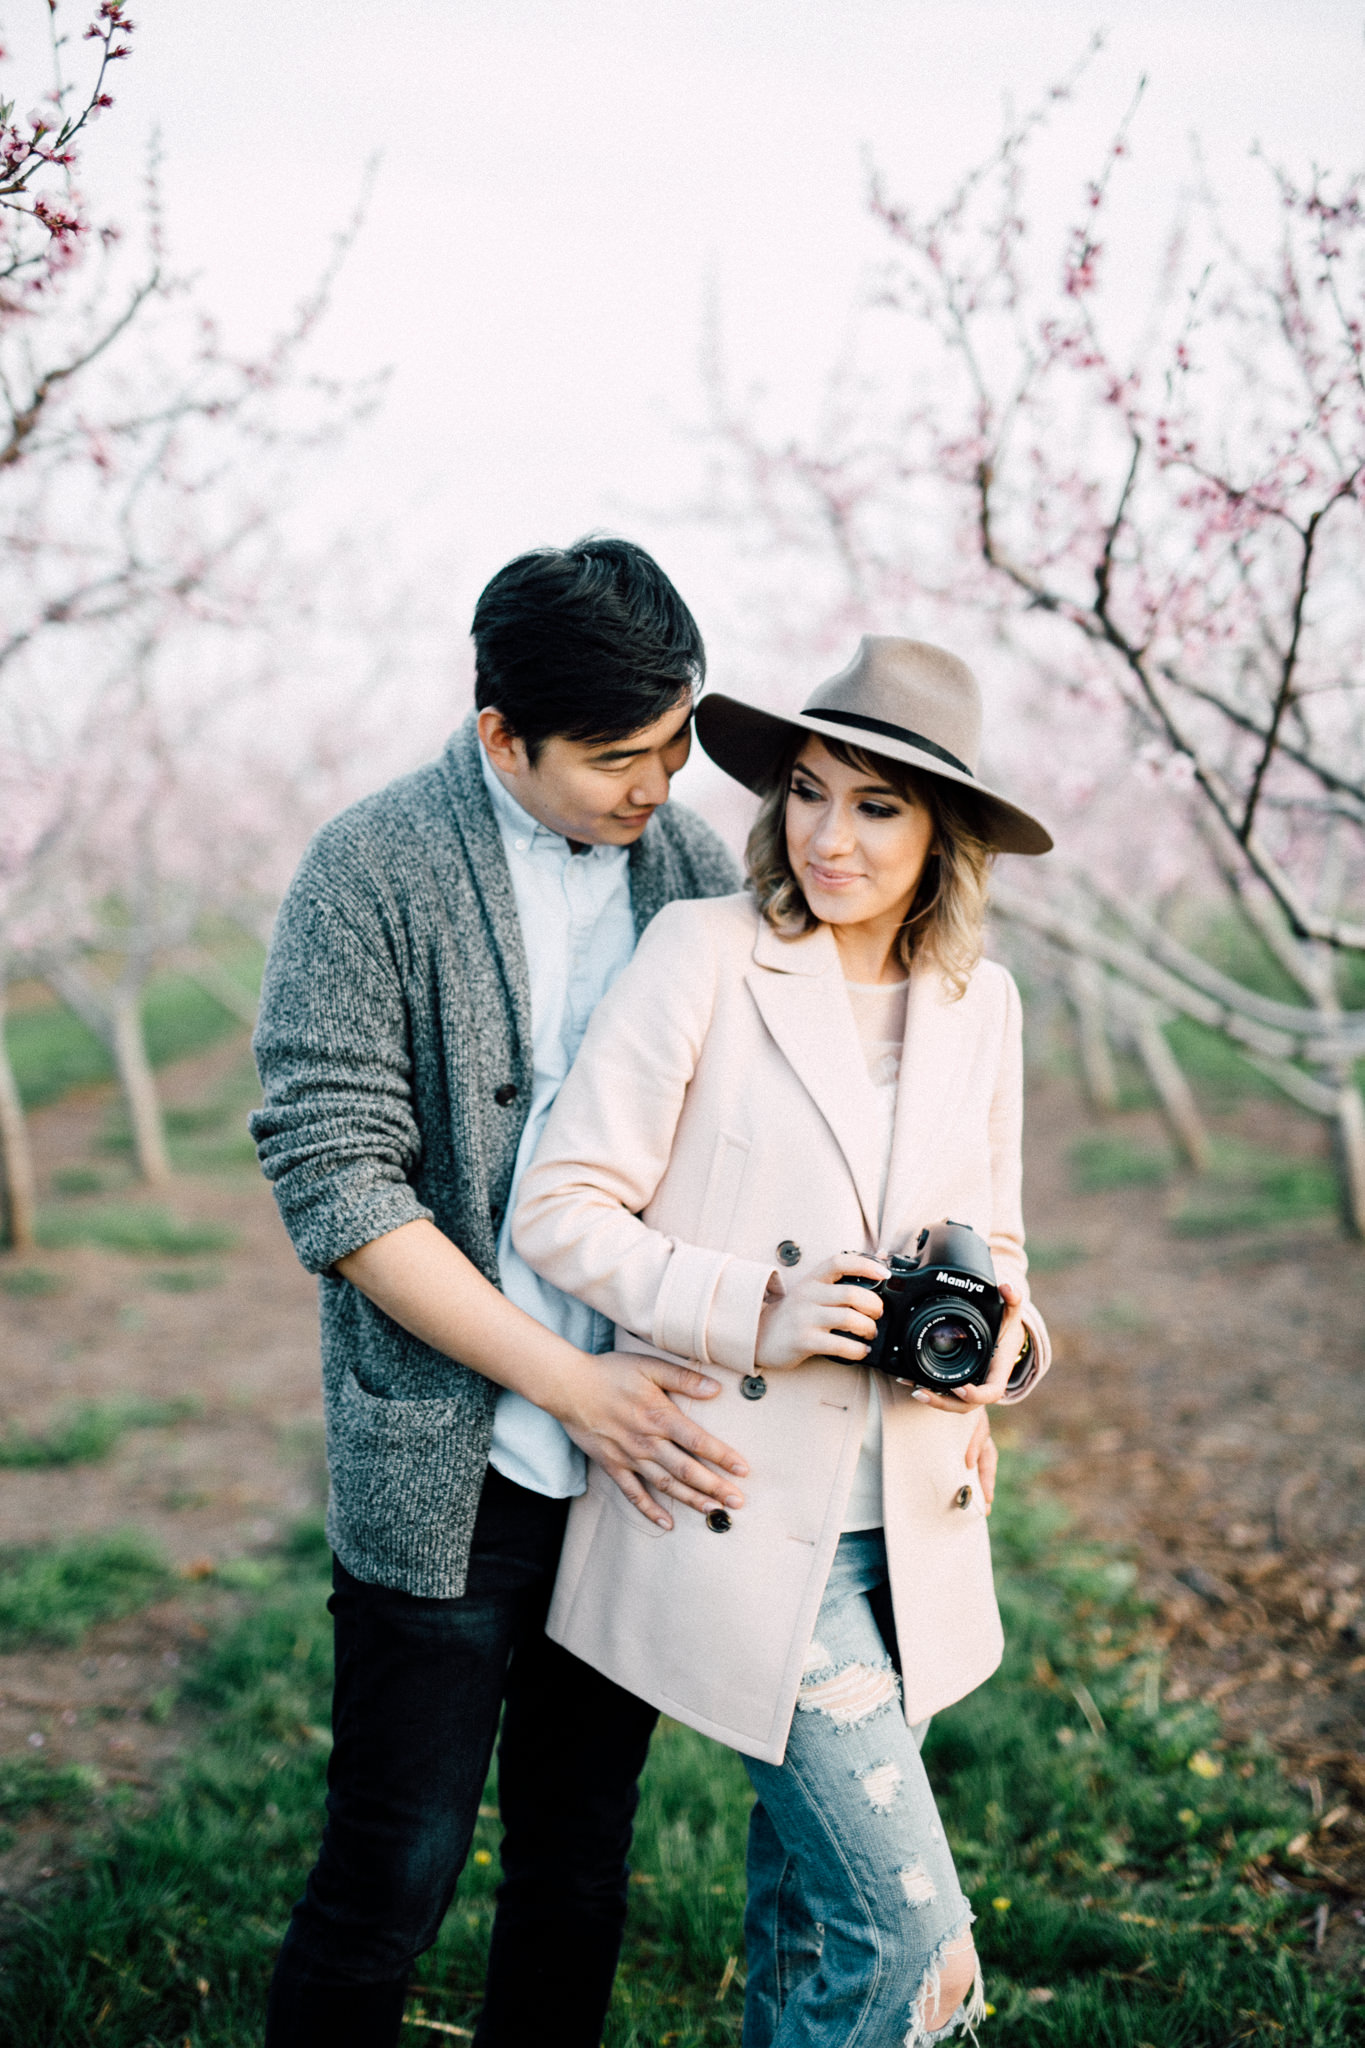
<point x="435" y="964"/>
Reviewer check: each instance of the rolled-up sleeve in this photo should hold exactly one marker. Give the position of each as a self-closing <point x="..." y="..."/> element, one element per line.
<point x="1007" y="1220"/>
<point x="337" y="1136"/>
<point x="606" y="1147"/>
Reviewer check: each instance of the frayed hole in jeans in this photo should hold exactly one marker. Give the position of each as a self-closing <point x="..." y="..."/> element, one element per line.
<point x="916" y="1883"/>
<point x="926" y="2024"/>
<point x="882" y="1784"/>
<point x="851" y="1695"/>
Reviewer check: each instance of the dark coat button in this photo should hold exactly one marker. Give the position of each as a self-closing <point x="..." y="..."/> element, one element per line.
<point x="963" y="1497"/>
<point x="753" y="1386"/>
<point x="506" y="1095"/>
<point x="718" y="1521"/>
<point x="789" y="1253"/>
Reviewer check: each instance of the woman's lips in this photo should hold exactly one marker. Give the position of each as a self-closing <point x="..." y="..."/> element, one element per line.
<point x="831" y="878"/>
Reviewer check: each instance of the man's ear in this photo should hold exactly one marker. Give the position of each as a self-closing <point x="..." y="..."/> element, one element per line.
<point x="500" y="743"/>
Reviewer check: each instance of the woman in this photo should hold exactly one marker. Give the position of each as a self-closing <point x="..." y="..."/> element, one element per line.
<point x="824" y="1063"/>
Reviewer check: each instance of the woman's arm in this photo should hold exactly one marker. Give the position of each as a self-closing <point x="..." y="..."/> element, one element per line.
<point x="607" y="1145"/>
<point x="1006" y="1240"/>
<point x="1007" y="1220"/>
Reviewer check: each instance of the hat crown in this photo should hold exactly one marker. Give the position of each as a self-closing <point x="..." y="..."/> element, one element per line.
<point x="923" y="691"/>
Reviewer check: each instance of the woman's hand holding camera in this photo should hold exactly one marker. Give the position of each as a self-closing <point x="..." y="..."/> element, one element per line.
<point x="822" y="1317"/>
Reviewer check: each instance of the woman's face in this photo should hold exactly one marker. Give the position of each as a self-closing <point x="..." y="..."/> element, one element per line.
<point x="856" y="845"/>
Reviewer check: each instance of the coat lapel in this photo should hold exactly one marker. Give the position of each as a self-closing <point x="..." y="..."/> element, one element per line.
<point x="800" y="994"/>
<point x="934" y="1064"/>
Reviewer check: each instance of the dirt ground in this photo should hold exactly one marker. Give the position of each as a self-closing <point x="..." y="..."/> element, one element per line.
<point x="1208" y="1413"/>
<point x="1206" y="1409"/>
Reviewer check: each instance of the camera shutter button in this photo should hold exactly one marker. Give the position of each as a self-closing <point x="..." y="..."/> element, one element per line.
<point x="963" y="1497"/>
<point x="789" y="1253"/>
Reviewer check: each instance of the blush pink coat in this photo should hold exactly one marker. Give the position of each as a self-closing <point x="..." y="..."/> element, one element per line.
<point x="720" y="1108"/>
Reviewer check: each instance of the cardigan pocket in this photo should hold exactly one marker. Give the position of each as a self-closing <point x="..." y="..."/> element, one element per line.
<point x="394" y="1465"/>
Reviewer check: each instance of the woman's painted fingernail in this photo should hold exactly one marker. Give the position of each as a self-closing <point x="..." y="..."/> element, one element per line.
<point x="919" y="1394"/>
<point x="733" y="1500"/>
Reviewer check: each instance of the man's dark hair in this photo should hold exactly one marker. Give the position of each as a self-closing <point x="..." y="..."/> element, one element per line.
<point x="589" y="642"/>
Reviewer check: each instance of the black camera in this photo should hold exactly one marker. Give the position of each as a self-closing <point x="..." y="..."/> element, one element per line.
<point x="941" y="1311"/>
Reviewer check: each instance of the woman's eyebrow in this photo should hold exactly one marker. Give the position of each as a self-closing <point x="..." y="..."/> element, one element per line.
<point x="878" y="789"/>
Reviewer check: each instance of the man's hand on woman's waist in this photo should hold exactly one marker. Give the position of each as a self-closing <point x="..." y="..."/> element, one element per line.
<point x="617" y="1408"/>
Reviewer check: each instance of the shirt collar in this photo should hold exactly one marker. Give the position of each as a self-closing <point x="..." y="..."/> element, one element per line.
<point x="515" y="822"/>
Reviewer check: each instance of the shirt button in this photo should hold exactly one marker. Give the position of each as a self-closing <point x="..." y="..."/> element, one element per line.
<point x="718" y="1521"/>
<point x="521" y="844"/>
<point x="506" y="1095"/>
<point x="789" y="1253"/>
<point x="963" y="1497"/>
<point x="753" y="1386"/>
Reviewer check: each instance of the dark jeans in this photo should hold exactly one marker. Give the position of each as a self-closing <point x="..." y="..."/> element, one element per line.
<point x="419" y="1686"/>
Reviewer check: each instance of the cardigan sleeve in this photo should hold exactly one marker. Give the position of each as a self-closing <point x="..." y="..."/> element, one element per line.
<point x="1007" y="1221"/>
<point x="605" y="1149"/>
<point x="337" y="1136"/>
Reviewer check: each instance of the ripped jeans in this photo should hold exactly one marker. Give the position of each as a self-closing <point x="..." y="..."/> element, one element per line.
<point x="854" y="1902"/>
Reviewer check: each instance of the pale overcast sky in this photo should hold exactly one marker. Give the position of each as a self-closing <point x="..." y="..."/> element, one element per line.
<point x="561" y="179"/>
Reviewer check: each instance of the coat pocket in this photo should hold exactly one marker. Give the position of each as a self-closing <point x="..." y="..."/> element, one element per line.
<point x="601" y="1484"/>
<point x="720" y="1199"/>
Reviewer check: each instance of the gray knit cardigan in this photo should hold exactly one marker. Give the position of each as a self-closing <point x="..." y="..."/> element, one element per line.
<point x="394" y="1048"/>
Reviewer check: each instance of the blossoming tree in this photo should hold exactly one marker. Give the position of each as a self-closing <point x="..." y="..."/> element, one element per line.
<point x="154" y="600"/>
<point x="1148" y="486"/>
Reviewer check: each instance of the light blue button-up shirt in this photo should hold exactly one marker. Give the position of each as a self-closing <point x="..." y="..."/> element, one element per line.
<point x="579" y="932"/>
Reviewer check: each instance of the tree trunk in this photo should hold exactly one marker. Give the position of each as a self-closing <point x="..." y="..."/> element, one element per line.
<point x="1085" y="985"/>
<point x="1173" y="1090"/>
<point x="18" y="1180"/>
<point x="1348" y="1143"/>
<point x="129" y="1048"/>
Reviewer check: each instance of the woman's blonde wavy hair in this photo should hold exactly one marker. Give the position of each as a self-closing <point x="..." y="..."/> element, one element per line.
<point x="948" y="915"/>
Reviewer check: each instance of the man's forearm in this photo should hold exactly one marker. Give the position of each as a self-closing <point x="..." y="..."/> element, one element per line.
<point x="417" y="1276"/>
<point x="617" y="1409"/>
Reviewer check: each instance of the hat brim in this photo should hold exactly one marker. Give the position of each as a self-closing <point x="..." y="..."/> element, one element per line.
<point x="747" y="743"/>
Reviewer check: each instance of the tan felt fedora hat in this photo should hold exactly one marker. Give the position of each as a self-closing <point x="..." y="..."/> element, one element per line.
<point x="903" y="699"/>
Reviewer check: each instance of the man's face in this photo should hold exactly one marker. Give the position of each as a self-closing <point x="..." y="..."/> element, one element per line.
<point x="594" y="793"/>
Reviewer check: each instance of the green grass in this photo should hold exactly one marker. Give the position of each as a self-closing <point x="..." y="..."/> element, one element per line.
<point x="80" y="1180"/>
<point x="1048" y="1257"/>
<point x="1250" y="1189"/>
<point x="30" y="1783"/>
<point x="53" y="1052"/>
<point x="186" y="1279"/>
<point x="1118" y="1854"/>
<point x="1112" y="1159"/>
<point x="84" y="1434"/>
<point x="137" y="1227"/>
<point x="30" y="1283"/>
<point x="54" y="1592"/>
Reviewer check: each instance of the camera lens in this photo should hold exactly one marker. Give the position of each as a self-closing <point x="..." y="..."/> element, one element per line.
<point x="951" y="1344"/>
